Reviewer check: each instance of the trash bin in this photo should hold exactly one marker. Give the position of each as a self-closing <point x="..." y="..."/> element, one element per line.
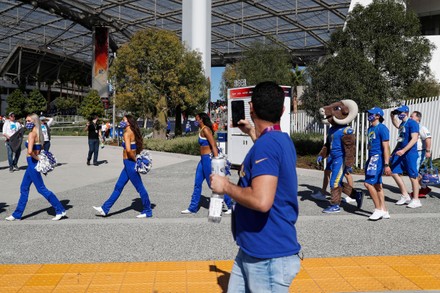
<point x="222" y="138"/>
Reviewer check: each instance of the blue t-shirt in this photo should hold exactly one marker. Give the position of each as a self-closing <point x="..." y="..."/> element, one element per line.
<point x="335" y="134"/>
<point x="271" y="234"/>
<point x="376" y="135"/>
<point x="405" y="129"/>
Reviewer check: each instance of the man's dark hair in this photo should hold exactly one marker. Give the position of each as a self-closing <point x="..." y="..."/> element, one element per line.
<point x="268" y="101"/>
<point x="418" y="114"/>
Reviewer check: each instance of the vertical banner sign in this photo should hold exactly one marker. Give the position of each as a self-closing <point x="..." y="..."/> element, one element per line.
<point x="100" y="63"/>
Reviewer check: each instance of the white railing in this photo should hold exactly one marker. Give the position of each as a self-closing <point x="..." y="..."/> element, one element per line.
<point x="303" y="123"/>
<point x="68" y="119"/>
<point x="429" y="107"/>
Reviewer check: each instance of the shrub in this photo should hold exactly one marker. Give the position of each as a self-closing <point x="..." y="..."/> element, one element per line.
<point x="307" y="143"/>
<point x="183" y="145"/>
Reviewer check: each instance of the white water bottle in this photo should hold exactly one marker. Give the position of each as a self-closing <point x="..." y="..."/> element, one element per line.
<point x="218" y="166"/>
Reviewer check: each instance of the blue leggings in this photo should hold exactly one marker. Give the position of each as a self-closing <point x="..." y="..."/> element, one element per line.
<point x="203" y="172"/>
<point x="33" y="176"/>
<point x="129" y="173"/>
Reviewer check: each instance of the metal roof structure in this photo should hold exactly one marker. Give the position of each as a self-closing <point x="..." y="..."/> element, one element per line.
<point x="65" y="26"/>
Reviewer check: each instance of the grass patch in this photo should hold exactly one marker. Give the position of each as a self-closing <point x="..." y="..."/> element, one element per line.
<point x="70" y="131"/>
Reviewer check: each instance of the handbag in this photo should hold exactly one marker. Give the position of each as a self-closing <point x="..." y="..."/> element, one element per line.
<point x="429" y="174"/>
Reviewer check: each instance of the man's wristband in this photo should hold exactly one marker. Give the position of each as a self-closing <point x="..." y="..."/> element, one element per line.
<point x="386" y="165"/>
<point x="428" y="151"/>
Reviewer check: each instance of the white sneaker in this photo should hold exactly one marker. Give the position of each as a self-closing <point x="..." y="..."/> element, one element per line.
<point x="186" y="212"/>
<point x="403" y="200"/>
<point x="386" y="215"/>
<point x="378" y="214"/>
<point x="415" y="203"/>
<point x="348" y="199"/>
<point x="59" y="216"/>
<point x="11" y="218"/>
<point x="228" y="212"/>
<point x="319" y="196"/>
<point x="100" y="211"/>
<point x="141" y="216"/>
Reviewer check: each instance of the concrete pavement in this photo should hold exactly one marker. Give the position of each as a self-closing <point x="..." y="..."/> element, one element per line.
<point x="120" y="237"/>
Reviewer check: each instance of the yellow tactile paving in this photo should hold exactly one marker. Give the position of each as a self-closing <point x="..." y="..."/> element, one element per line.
<point x="336" y="274"/>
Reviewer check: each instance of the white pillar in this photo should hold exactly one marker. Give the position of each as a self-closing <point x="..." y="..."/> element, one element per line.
<point x="196" y="29"/>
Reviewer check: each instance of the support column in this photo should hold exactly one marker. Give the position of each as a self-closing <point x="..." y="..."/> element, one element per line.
<point x="196" y="29"/>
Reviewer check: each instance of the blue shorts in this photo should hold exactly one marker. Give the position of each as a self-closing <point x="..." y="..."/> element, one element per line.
<point x="407" y="162"/>
<point x="377" y="177"/>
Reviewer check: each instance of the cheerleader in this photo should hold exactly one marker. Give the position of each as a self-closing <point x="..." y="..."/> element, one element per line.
<point x="203" y="171"/>
<point x="132" y="145"/>
<point x="34" y="146"/>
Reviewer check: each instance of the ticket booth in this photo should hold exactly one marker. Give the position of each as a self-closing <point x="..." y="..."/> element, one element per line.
<point x="238" y="143"/>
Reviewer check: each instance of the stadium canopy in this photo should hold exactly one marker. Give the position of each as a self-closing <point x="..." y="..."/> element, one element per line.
<point x="64" y="27"/>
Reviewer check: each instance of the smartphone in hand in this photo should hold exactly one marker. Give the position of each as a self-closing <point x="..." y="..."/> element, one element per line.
<point x="237" y="108"/>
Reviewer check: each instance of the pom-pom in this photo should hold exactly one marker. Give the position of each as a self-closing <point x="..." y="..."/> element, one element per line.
<point x="46" y="162"/>
<point x="144" y="162"/>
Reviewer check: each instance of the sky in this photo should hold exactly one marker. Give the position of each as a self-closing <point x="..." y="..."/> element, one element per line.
<point x="216" y="77"/>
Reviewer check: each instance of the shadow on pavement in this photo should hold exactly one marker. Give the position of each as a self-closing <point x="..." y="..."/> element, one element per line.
<point x="3" y="207"/>
<point x="50" y="210"/>
<point x="222" y="280"/>
<point x="136" y="205"/>
<point x="349" y="208"/>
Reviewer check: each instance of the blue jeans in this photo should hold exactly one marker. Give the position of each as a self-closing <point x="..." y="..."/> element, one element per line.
<point x="251" y="274"/>
<point x="129" y="173"/>
<point x="33" y="176"/>
<point x="203" y="171"/>
<point x="46" y="146"/>
<point x="12" y="156"/>
<point x="93" y="149"/>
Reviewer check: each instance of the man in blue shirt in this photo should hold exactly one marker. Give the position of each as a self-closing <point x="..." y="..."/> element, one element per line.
<point x="266" y="205"/>
<point x="378" y="162"/>
<point x="405" y="156"/>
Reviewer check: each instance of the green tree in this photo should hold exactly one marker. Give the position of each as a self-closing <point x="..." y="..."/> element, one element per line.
<point x="424" y="88"/>
<point x="263" y="62"/>
<point x="148" y="76"/>
<point x="66" y="104"/>
<point x="229" y="75"/>
<point x="16" y="103"/>
<point x="91" y="105"/>
<point x="387" y="54"/>
<point x="191" y="94"/>
<point x="36" y="102"/>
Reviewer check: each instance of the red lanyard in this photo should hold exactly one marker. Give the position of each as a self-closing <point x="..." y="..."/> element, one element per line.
<point x="275" y="127"/>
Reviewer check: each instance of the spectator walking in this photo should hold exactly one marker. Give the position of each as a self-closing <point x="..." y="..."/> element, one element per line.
<point x="266" y="205"/>
<point x="34" y="147"/>
<point x="404" y="156"/>
<point x="423" y="149"/>
<point x="11" y="127"/>
<point x="132" y="145"/>
<point x="94" y="137"/>
<point x="377" y="162"/>
<point x="46" y="123"/>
